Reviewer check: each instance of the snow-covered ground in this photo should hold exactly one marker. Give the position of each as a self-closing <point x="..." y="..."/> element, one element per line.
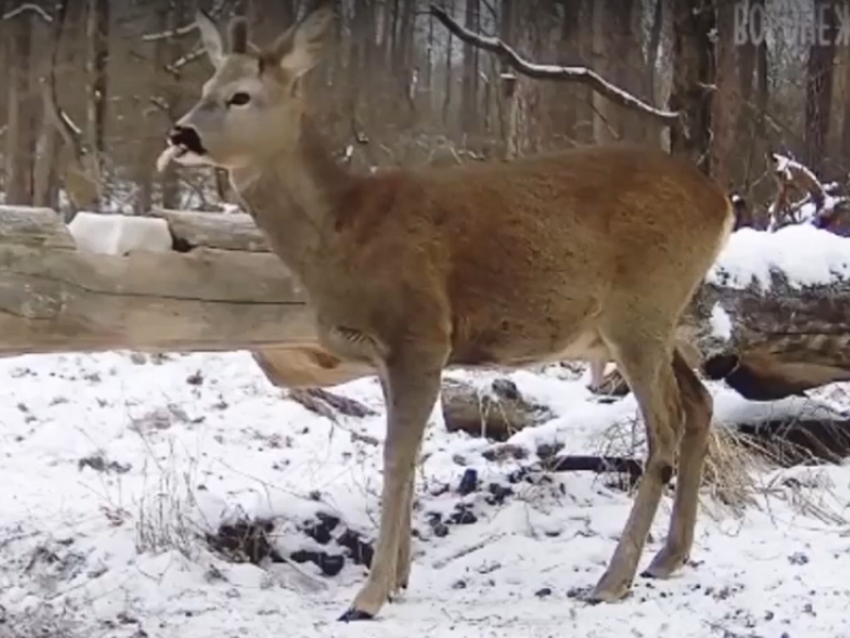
<point x="112" y="464"/>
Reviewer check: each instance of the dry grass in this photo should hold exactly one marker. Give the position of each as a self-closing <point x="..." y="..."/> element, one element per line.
<point x="167" y="514"/>
<point x="740" y="472"/>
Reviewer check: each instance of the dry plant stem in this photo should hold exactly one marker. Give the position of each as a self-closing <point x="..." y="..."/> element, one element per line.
<point x="588" y="254"/>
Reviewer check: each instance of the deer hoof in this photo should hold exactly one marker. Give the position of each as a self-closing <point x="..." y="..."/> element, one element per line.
<point x="354" y="614"/>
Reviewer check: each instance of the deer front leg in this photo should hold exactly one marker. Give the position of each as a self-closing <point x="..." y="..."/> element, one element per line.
<point x="412" y="384"/>
<point x="404" y="550"/>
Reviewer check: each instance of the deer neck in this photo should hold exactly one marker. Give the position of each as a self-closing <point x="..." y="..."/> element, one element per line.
<point x="293" y="197"/>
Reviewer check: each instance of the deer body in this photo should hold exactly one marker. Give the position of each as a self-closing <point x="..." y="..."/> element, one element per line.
<point x="585" y="254"/>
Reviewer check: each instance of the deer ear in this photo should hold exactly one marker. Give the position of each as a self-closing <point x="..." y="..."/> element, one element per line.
<point x="210" y="37"/>
<point x="299" y="48"/>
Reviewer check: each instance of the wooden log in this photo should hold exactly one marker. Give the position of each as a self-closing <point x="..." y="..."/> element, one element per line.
<point x="63" y="300"/>
<point x="780" y="339"/>
<point x="496" y="414"/>
<point x="770" y="337"/>
<point x="213" y="230"/>
<point x="29" y="226"/>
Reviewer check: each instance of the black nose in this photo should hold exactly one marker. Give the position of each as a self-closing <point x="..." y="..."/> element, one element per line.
<point x="187" y="137"/>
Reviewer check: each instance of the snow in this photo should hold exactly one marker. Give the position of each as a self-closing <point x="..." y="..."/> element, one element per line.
<point x="720" y="322"/>
<point x="807" y="256"/>
<point x="119" y="234"/>
<point x="186" y="441"/>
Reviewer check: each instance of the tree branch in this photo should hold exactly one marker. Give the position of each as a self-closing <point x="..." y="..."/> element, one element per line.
<point x="579" y="74"/>
<point x="28" y="7"/>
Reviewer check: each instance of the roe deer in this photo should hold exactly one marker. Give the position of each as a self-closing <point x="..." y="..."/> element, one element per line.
<point x="592" y="252"/>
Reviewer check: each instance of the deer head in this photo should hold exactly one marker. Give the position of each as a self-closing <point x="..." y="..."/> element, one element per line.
<point x="250" y="110"/>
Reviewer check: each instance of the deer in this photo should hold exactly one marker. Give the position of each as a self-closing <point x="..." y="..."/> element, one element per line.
<point x="590" y="253"/>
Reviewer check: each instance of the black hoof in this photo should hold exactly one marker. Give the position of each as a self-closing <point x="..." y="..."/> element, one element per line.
<point x="590" y="600"/>
<point x="648" y="574"/>
<point x="353" y="614"/>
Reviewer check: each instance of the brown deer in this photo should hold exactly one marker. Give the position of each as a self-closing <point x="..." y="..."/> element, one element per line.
<point x="588" y="253"/>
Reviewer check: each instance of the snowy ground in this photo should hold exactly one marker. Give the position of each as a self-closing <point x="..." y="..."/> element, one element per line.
<point x="112" y="551"/>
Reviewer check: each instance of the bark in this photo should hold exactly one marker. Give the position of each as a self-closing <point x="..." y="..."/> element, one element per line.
<point x="819" y="74"/>
<point x="97" y="36"/>
<point x="565" y="102"/>
<point x="619" y="58"/>
<point x="725" y="106"/>
<point x="693" y="73"/>
<point x="20" y="145"/>
<point x="495" y="414"/>
<point x="469" y="81"/>
<point x="45" y="189"/>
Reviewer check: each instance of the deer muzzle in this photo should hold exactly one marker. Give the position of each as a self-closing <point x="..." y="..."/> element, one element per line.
<point x="184" y="147"/>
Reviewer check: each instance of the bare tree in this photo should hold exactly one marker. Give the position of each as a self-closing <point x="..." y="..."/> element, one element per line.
<point x="819" y="87"/>
<point x="693" y="74"/>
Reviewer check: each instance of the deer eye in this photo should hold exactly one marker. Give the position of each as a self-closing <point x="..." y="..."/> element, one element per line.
<point x="239" y="99"/>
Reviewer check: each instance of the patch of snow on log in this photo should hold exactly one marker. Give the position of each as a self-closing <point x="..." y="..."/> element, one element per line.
<point x="806" y="255"/>
<point x="721" y="323"/>
<point x="119" y="234"/>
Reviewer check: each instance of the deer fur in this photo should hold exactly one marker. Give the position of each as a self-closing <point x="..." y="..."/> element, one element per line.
<point x="583" y="254"/>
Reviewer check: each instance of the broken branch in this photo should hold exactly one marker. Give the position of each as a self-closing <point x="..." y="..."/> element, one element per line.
<point x="821" y="204"/>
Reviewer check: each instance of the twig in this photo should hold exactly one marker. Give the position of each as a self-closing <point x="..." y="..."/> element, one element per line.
<point x="465" y="551"/>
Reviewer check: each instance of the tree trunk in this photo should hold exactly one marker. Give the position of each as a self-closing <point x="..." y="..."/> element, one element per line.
<point x="725" y="100"/>
<point x="469" y="82"/>
<point x="97" y="36"/>
<point x="508" y="81"/>
<point x="448" y="80"/>
<point x="19" y="132"/>
<point x="693" y="73"/>
<point x="45" y="187"/>
<point x="819" y="90"/>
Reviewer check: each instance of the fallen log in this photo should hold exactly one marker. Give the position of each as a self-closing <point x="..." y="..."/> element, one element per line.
<point x="213" y="230"/>
<point x="496" y="413"/>
<point x="54" y="297"/>
<point x="784" y="443"/>
<point x="782" y="327"/>
<point x="773" y="317"/>
<point x="52" y="301"/>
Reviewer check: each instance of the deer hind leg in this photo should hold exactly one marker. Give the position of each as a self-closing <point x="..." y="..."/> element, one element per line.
<point x="645" y="362"/>
<point x="412" y="385"/>
<point x="698" y="408"/>
<point x="597" y="372"/>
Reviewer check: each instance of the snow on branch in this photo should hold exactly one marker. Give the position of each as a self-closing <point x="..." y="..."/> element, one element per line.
<point x="579" y="74"/>
<point x="183" y="60"/>
<point x="28" y="7"/>
<point x="818" y="205"/>
<point x="172" y="33"/>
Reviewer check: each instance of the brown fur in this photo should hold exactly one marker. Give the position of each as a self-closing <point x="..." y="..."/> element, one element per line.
<point x="588" y="253"/>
